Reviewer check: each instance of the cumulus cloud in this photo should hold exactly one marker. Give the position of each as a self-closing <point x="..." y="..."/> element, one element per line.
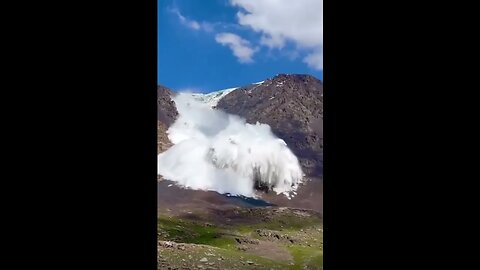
<point x="279" y="21"/>
<point x="240" y="47"/>
<point x="315" y="60"/>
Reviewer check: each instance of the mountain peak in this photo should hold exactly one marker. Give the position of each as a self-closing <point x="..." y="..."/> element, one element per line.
<point x="295" y="77"/>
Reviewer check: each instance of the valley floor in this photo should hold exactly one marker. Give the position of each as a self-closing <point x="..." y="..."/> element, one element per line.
<point x="241" y="238"/>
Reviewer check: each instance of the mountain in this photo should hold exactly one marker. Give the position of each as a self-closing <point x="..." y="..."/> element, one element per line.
<point x="292" y="104"/>
<point x="204" y="224"/>
<point x="293" y="107"/>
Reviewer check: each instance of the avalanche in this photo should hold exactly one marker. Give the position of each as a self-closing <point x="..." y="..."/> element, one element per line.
<point x="221" y="152"/>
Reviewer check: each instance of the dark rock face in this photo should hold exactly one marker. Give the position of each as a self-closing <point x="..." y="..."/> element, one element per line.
<point x="166" y="115"/>
<point x="166" y="110"/>
<point x="163" y="143"/>
<point x="293" y="107"/>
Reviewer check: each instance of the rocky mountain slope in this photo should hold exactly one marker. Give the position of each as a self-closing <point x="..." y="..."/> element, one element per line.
<point x="293" y="107"/>
<point x="166" y="115"/>
<point x="166" y="110"/>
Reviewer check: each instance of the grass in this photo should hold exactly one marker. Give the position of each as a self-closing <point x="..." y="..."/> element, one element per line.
<point x="230" y="258"/>
<point x="284" y="222"/>
<point x="306" y="256"/>
<point x="189" y="232"/>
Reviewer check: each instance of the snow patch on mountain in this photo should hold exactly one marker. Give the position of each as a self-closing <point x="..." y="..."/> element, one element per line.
<point x="212" y="98"/>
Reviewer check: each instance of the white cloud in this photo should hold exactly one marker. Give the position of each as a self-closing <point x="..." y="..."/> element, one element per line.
<point x="279" y="21"/>
<point x="240" y="47"/>
<point x="315" y="60"/>
<point x="192" y="23"/>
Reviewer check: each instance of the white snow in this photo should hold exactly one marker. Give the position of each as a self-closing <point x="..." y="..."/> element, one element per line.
<point x="212" y="98"/>
<point x="220" y="152"/>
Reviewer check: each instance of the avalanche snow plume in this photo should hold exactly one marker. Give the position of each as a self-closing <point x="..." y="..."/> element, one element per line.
<point x="217" y="151"/>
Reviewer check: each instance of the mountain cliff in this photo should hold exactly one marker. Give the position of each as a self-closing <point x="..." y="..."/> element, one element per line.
<point x="166" y="115"/>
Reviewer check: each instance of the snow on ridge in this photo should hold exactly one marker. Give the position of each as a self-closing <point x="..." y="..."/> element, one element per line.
<point x="212" y="98"/>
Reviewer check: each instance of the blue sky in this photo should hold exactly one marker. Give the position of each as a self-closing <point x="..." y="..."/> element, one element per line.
<point x="205" y="46"/>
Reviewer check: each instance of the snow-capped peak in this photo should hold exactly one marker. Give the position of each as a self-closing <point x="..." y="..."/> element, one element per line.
<point x="212" y="98"/>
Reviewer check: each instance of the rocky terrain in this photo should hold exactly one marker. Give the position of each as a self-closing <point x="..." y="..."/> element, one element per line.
<point x="166" y="115"/>
<point x="163" y="143"/>
<point x="166" y="110"/>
